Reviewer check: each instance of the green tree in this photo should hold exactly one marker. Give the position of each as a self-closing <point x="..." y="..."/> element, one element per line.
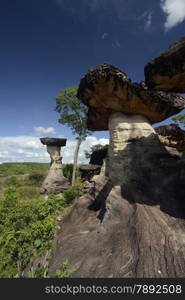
<point x="92" y="149"/>
<point x="180" y="120"/>
<point x="73" y="113"/>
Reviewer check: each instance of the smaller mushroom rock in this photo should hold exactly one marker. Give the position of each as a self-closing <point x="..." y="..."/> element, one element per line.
<point x="88" y="171"/>
<point x="106" y="90"/>
<point x="172" y="135"/>
<point x="55" y="181"/>
<point x="95" y="165"/>
<point x="167" y="71"/>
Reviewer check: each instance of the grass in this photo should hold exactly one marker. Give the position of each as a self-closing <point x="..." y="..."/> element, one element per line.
<point x="9" y="169"/>
<point x="27" y="178"/>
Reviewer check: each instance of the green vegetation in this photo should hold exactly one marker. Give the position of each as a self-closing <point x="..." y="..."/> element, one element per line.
<point x="73" y="113"/>
<point x="25" y="177"/>
<point x="27" y="221"/>
<point x="27" y="229"/>
<point x="180" y="120"/>
<point x="9" y="169"/>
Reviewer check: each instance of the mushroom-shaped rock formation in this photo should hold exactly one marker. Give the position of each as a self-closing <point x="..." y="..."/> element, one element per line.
<point x="95" y="164"/>
<point x="55" y="181"/>
<point x="106" y="90"/>
<point x="172" y="135"/>
<point x="167" y="71"/>
<point x="131" y="223"/>
<point x="88" y="171"/>
<point x="126" y="109"/>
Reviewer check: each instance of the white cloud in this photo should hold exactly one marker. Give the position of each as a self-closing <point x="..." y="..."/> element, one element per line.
<point x="28" y="142"/>
<point x="29" y="148"/>
<point x="68" y="151"/>
<point x="174" y="11"/>
<point x="41" y="129"/>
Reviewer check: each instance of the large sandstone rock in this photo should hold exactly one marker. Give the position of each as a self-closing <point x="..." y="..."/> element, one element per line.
<point x="131" y="223"/>
<point x="167" y="71"/>
<point x="132" y="229"/>
<point x="106" y="89"/>
<point x="172" y="135"/>
<point x="55" y="182"/>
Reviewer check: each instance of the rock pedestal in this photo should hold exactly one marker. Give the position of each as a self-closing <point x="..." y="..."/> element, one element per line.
<point x="124" y="130"/>
<point x="55" y="181"/>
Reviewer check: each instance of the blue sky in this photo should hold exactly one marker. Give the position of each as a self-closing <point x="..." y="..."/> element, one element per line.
<point x="48" y="45"/>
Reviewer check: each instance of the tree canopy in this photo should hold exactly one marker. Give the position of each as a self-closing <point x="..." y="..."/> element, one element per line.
<point x="72" y="112"/>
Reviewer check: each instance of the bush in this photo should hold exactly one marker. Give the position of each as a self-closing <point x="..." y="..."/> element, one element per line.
<point x="27" y="229"/>
<point x="12" y="181"/>
<point x="36" y="179"/>
<point x="68" y="171"/>
<point x="28" y="192"/>
<point x="70" y="195"/>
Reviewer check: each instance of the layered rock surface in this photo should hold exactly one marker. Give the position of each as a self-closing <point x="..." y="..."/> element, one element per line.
<point x="167" y="71"/>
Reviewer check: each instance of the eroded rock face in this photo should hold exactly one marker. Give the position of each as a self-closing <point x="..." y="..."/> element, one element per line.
<point x="172" y="135"/>
<point x="55" y="181"/>
<point x="106" y="90"/>
<point x="167" y="71"/>
<point x="131" y="222"/>
<point x="133" y="229"/>
<point x="124" y="130"/>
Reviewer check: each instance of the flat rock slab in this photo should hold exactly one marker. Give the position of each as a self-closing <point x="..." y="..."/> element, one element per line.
<point x="53" y="141"/>
<point x="88" y="171"/>
<point x="167" y="71"/>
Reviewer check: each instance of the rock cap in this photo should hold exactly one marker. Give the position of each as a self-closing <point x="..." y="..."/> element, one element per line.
<point x="53" y="141"/>
<point x="106" y="89"/>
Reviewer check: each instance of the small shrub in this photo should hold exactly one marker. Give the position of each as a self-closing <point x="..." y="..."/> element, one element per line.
<point x="63" y="272"/>
<point x="70" y="195"/>
<point x="28" y="192"/>
<point x="10" y="197"/>
<point x="68" y="171"/>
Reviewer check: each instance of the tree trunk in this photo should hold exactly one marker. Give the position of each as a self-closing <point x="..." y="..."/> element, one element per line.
<point x="76" y="160"/>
